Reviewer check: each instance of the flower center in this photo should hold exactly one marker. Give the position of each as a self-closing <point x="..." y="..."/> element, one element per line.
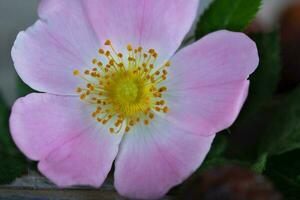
<point x="124" y="91"/>
<point x="127" y="92"/>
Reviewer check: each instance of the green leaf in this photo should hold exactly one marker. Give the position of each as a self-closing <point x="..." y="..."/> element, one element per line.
<point x="219" y="146"/>
<point x="283" y="170"/>
<point x="232" y="15"/>
<point x="264" y="81"/>
<point x="216" y="156"/>
<point x="260" y="165"/>
<point x="11" y="168"/>
<point x="22" y="88"/>
<point x="4" y="111"/>
<point x="4" y="115"/>
<point x="6" y="144"/>
<point x="12" y="163"/>
<point x="283" y="130"/>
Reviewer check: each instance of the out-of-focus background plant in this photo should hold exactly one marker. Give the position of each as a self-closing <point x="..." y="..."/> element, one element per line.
<point x="261" y="149"/>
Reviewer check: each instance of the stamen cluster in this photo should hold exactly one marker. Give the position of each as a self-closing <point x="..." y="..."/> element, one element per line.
<point x="125" y="89"/>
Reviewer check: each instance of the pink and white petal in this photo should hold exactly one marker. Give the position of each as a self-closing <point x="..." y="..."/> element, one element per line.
<point x="152" y="159"/>
<point x="85" y="160"/>
<point x="208" y="81"/>
<point x="213" y="108"/>
<point x="46" y="54"/>
<point x="217" y="58"/>
<point x="40" y="123"/>
<point x="150" y="23"/>
<point x="59" y="132"/>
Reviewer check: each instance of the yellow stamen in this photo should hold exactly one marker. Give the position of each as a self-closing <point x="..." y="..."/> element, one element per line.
<point x="124" y="89"/>
<point x="75" y="72"/>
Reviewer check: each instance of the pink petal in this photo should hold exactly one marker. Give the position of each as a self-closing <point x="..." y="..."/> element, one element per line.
<point x="208" y="82"/>
<point x="64" y="39"/>
<point x="207" y="110"/>
<point x="73" y="149"/>
<point x="154" y="158"/>
<point x="217" y="58"/>
<point x="46" y="54"/>
<point x="85" y="160"/>
<point x="150" y="23"/>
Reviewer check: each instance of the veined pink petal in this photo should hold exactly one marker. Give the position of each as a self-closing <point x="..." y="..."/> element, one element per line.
<point x="217" y="58"/>
<point x="150" y="23"/>
<point x="207" y="110"/>
<point x="60" y="133"/>
<point x="208" y="81"/>
<point x="85" y="160"/>
<point x="154" y="158"/>
<point x="46" y="54"/>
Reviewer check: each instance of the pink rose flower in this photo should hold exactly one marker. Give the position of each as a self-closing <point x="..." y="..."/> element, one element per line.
<point x="115" y="90"/>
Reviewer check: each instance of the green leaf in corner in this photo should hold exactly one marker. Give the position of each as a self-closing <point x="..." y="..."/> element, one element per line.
<point x="219" y="145"/>
<point x="22" y="88"/>
<point x="12" y="162"/>
<point x="216" y="156"/>
<point x="12" y="168"/>
<point x="284" y="171"/>
<point x="232" y="15"/>
<point x="4" y="112"/>
<point x="283" y="132"/>
<point x="7" y="146"/>
<point x="260" y="165"/>
<point x="4" y="115"/>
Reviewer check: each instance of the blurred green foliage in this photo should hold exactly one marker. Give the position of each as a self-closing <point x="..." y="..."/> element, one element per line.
<point x="217" y="155"/>
<point x="233" y="15"/>
<point x="284" y="171"/>
<point x="283" y="130"/>
<point x="4" y="114"/>
<point x="22" y="88"/>
<point x="12" y="163"/>
<point x="265" y="79"/>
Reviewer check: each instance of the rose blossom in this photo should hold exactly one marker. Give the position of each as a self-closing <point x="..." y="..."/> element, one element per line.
<point x="115" y="90"/>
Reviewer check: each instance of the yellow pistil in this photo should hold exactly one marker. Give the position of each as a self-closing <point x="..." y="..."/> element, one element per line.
<point x="124" y="90"/>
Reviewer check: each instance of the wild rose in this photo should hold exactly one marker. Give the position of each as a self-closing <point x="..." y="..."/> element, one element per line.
<point x="115" y="91"/>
